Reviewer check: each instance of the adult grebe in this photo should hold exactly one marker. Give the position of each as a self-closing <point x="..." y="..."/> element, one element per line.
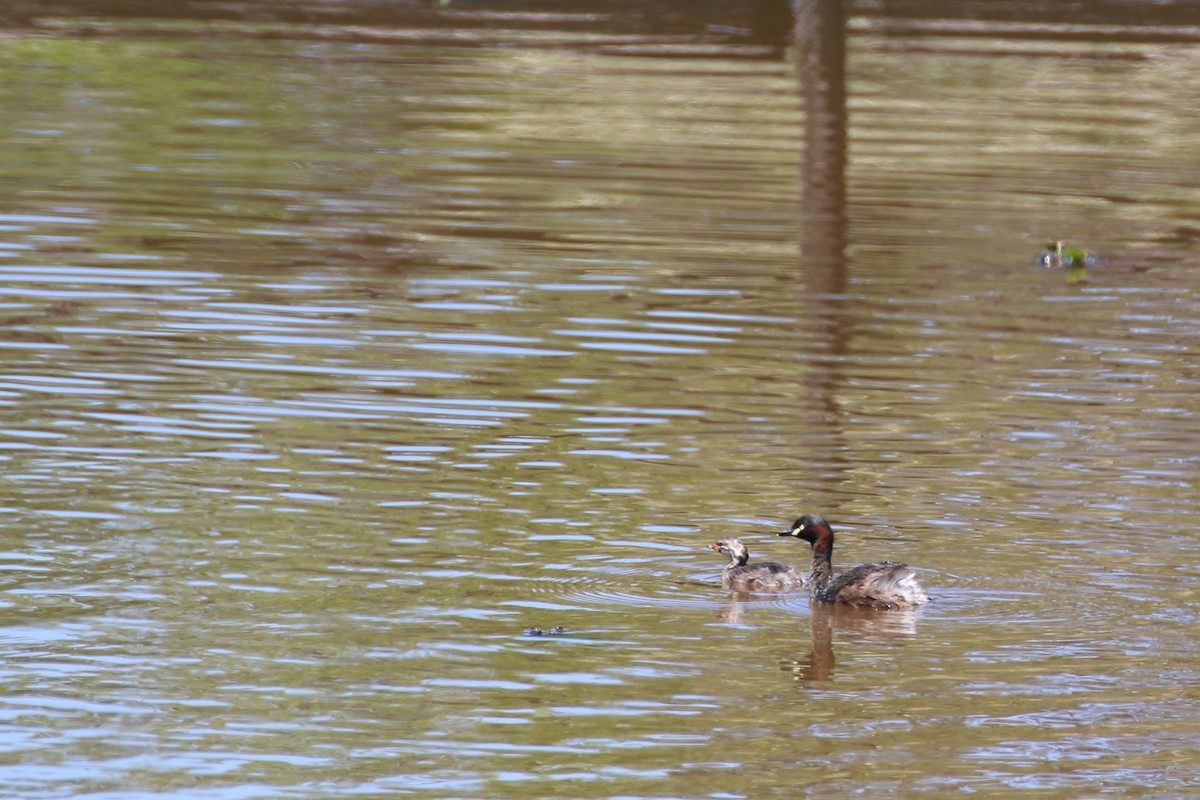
<point x="886" y="585"/>
<point x="765" y="576"/>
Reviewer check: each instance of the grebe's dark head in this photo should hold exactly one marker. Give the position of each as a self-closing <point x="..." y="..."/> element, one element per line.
<point x="733" y="548"/>
<point x="808" y="528"/>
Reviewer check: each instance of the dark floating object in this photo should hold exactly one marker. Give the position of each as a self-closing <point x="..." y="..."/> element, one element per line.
<point x="886" y="585"/>
<point x="555" y="631"/>
<point x="765" y="576"/>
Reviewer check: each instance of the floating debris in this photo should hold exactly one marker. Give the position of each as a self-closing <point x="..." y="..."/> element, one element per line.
<point x="555" y="631"/>
<point x="1074" y="259"/>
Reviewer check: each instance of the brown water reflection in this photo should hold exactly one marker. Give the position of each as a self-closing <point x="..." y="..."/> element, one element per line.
<point x="331" y="367"/>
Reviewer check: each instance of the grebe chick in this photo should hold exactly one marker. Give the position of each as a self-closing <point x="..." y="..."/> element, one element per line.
<point x="765" y="576"/>
<point x="886" y="585"/>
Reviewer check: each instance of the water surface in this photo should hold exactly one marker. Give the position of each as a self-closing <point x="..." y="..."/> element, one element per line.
<point x="331" y="366"/>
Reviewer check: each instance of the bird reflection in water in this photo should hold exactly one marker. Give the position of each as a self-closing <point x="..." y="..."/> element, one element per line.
<point x="818" y="665"/>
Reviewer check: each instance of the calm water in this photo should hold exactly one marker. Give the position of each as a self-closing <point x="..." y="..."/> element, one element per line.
<point x="332" y="366"/>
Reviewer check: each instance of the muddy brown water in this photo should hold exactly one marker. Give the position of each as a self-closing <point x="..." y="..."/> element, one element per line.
<point x="331" y="367"/>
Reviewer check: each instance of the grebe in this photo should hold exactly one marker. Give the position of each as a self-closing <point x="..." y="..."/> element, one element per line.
<point x="766" y="576"/>
<point x="886" y="585"/>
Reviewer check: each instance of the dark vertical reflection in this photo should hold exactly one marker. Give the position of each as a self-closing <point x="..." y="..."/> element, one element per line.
<point x="820" y="34"/>
<point x="818" y="665"/>
<point x="820" y="38"/>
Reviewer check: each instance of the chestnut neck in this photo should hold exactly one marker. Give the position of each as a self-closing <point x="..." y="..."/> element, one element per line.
<point x="822" y="562"/>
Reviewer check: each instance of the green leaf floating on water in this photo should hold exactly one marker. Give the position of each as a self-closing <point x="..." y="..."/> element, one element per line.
<point x="1073" y="258"/>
